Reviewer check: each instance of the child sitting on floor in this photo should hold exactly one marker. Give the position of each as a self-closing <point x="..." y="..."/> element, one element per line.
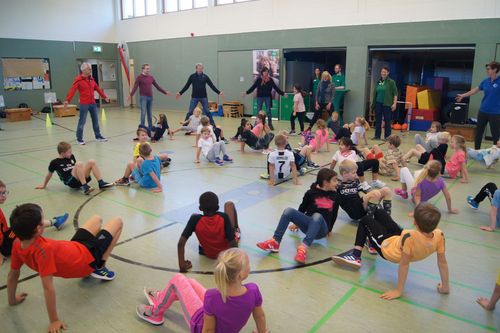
<point x="401" y="246"/>
<point x="358" y="129"/>
<point x="389" y="162"/>
<point x="338" y="131"/>
<point x="84" y="255"/>
<point x="145" y="170"/>
<point x="491" y="192"/>
<point x="315" y="217"/>
<point x="160" y="128"/>
<point x="240" y="129"/>
<point x="211" y="149"/>
<point x="281" y="162"/>
<point x="73" y="174"/>
<point x="257" y="138"/>
<point x="191" y="124"/>
<point x="216" y="231"/>
<point x="224" y="309"/>
<point x="488" y="156"/>
<point x="438" y="153"/>
<point x="431" y="141"/>
<point x="458" y="161"/>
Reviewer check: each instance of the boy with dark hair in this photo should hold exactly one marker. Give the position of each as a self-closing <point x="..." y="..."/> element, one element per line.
<point x="216" y="231"/>
<point x="7" y="237"/>
<point x="85" y="254"/>
<point x="401" y="246"/>
<point x="72" y="173"/>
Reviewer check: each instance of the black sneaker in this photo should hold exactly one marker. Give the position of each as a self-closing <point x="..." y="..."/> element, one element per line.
<point x="86" y="189"/>
<point x="165" y="164"/>
<point x="347" y="259"/>
<point x="103" y="184"/>
<point x="375" y="138"/>
<point x="122" y="182"/>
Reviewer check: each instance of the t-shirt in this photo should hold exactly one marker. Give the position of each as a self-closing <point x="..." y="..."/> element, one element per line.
<point x="438" y="154"/>
<point x="380" y="91"/>
<point x="198" y="131"/>
<point x="386" y="167"/>
<point x="338" y="80"/>
<point x="491" y="100"/>
<point x="150" y="166"/>
<point x="250" y="138"/>
<point x="320" y="138"/>
<point x="413" y="243"/>
<point x="205" y="145"/>
<point x="61" y="258"/>
<point x="455" y="163"/>
<point x="429" y="189"/>
<point x="63" y="167"/>
<point x="257" y="130"/>
<point x="354" y="137"/>
<point x="213" y="232"/>
<point x="281" y="159"/>
<point x="350" y="201"/>
<point x="334" y="126"/>
<point x="5" y="231"/>
<point x="347" y="155"/>
<point x="496" y="203"/>
<point x="299" y="100"/>
<point x="194" y="121"/>
<point x="136" y="149"/>
<point x="230" y="316"/>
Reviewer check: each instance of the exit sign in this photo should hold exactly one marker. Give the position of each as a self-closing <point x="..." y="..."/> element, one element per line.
<point x="97" y="48"/>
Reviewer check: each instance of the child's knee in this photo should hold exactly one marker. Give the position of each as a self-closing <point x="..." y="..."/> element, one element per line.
<point x="91" y="162"/>
<point x="78" y="164"/>
<point x="374" y="196"/>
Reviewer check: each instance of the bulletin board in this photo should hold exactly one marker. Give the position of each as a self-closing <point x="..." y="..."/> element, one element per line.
<point x="26" y="73"/>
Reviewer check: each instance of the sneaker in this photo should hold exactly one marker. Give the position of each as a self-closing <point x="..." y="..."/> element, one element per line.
<point x="152" y="295"/>
<point x="488" y="160"/>
<point x="332" y="141"/>
<point x="269" y="245"/>
<point x="103" y="274"/>
<point x="292" y="132"/>
<point x="145" y="312"/>
<point x="371" y="249"/>
<point x="80" y="142"/>
<point x="87" y="189"/>
<point x="377" y="183"/>
<point x="302" y="171"/>
<point x="264" y="175"/>
<point x="313" y="165"/>
<point x="58" y="221"/>
<point x="365" y="186"/>
<point x="227" y="159"/>
<point x="301" y="255"/>
<point x="347" y="259"/>
<point x="103" y="184"/>
<point x="225" y="141"/>
<point x="122" y="182"/>
<point x="101" y="139"/>
<point x="218" y="162"/>
<point x="402" y="193"/>
<point x="375" y="138"/>
<point x="165" y="164"/>
<point x="472" y="203"/>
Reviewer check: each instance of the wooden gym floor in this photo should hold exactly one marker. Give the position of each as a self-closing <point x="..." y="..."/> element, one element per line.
<point x="318" y="297"/>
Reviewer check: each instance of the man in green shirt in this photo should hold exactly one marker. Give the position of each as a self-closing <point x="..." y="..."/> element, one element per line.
<point x="338" y="78"/>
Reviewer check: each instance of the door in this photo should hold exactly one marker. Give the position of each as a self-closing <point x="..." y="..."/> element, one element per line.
<point x="105" y="74"/>
<point x="235" y="76"/>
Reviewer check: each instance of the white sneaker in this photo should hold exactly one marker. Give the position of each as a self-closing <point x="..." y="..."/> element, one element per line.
<point x="102" y="139"/>
<point x="377" y="183"/>
<point x="80" y="142"/>
<point x="364" y="186"/>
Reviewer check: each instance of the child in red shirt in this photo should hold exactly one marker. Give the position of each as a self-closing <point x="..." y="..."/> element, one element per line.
<point x="216" y="231"/>
<point x="85" y="254"/>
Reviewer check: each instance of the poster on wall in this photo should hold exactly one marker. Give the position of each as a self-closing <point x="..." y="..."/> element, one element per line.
<point x="26" y="73"/>
<point x="270" y="59"/>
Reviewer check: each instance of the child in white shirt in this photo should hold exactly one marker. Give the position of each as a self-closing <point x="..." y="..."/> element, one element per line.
<point x="210" y="148"/>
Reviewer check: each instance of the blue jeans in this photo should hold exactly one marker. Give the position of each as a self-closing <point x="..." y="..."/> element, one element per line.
<point x="204" y="104"/>
<point x="313" y="226"/>
<point x="84" y="109"/>
<point x="146" y="103"/>
<point x="386" y="113"/>
<point x="267" y="101"/>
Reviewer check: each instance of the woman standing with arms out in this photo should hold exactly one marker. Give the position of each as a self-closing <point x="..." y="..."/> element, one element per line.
<point x="385" y="96"/>
<point x="264" y="85"/>
<point x="323" y="97"/>
<point x="489" y="110"/>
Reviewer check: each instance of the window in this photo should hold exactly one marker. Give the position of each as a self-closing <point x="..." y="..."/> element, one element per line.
<point x="225" y="2"/>
<point x="138" y="8"/>
<point x="176" y="5"/>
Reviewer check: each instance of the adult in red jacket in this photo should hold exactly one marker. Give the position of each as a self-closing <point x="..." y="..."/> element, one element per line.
<point x="86" y="85"/>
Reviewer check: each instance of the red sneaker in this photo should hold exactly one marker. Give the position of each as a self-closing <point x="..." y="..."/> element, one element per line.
<point x="269" y="245"/>
<point x="301" y="255"/>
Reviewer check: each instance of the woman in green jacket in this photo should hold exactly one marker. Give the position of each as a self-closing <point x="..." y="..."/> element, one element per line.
<point x="385" y="96"/>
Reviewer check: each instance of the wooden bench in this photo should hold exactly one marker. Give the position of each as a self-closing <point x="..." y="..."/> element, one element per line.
<point x="466" y="130"/>
<point x="18" y="114"/>
<point x="61" y="111"/>
<point x="232" y="109"/>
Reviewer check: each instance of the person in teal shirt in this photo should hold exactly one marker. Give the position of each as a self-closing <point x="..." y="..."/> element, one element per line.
<point x="313" y="86"/>
<point x="338" y="78"/>
<point x="385" y="96"/>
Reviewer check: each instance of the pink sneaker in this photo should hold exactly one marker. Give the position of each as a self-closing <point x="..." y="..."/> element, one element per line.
<point x="145" y="312"/>
<point x="152" y="295"/>
<point x="402" y="193"/>
<point x="269" y="245"/>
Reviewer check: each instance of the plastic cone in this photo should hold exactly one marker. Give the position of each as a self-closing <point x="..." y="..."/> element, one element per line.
<point x="103" y="115"/>
<point x="48" y="122"/>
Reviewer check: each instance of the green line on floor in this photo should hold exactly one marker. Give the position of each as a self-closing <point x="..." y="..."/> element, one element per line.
<point x="332" y="310"/>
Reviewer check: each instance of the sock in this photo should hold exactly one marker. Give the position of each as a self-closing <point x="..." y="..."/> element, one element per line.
<point x="52" y="221"/>
<point x="370" y="209"/>
<point x="356" y="253"/>
<point x="387" y="204"/>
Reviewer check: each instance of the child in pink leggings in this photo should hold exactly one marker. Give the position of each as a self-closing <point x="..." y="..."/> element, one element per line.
<point x="225" y="309"/>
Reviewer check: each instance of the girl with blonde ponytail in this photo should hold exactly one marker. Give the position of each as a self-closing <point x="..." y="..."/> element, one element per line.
<point x="426" y="184"/>
<point x="225" y="309"/>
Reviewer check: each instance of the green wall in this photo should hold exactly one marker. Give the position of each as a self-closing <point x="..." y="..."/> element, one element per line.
<point x="172" y="60"/>
<point x="62" y="56"/>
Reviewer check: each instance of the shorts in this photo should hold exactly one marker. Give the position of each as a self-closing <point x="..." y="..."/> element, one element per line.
<point x="299" y="160"/>
<point x="75" y="183"/>
<point x="8" y="241"/>
<point x="137" y="174"/>
<point x="96" y="245"/>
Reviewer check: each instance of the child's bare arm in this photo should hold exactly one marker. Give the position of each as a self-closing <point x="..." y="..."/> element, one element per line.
<point x="295" y="176"/>
<point x="493" y="219"/>
<point x="184" y="264"/>
<point x="157" y="182"/>
<point x="333" y="164"/>
<point x="196" y="140"/>
<point x="271" y="174"/>
<point x="444" y="286"/>
<point x="448" y="201"/>
<point x="209" y="323"/>
<point x="404" y="266"/>
<point x="242" y="146"/>
<point x="260" y="319"/>
<point x="465" y="173"/>
<point x="50" y="302"/>
<point x="12" y="280"/>
<point x="198" y="152"/>
<point x="45" y="181"/>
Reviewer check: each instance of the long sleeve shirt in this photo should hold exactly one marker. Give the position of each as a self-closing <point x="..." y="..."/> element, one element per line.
<point x="85" y="87"/>
<point x="264" y="90"/>
<point x="199" y="82"/>
<point x="145" y="84"/>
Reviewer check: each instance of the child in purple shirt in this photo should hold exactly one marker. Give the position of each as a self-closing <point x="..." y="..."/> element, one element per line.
<point x="225" y="309"/>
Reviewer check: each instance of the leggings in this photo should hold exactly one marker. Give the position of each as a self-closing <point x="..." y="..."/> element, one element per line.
<point x="487" y="191"/>
<point x="189" y="292"/>
<point x="300" y="116"/>
<point x="377" y="229"/>
<point x="216" y="150"/>
<point x="367" y="165"/>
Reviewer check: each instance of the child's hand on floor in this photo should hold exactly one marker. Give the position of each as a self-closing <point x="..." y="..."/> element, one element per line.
<point x="196" y="161"/>
<point x="390" y="295"/>
<point x="157" y="190"/>
<point x="40" y="187"/>
<point x="20" y="298"/>
<point x="293" y="228"/>
<point x="442" y="290"/>
<point x="57" y="326"/>
<point x="463" y="181"/>
<point x="453" y="211"/>
<point x="184" y="266"/>
<point x="487" y="228"/>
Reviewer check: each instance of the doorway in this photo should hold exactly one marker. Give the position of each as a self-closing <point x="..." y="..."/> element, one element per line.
<point x="105" y="74"/>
